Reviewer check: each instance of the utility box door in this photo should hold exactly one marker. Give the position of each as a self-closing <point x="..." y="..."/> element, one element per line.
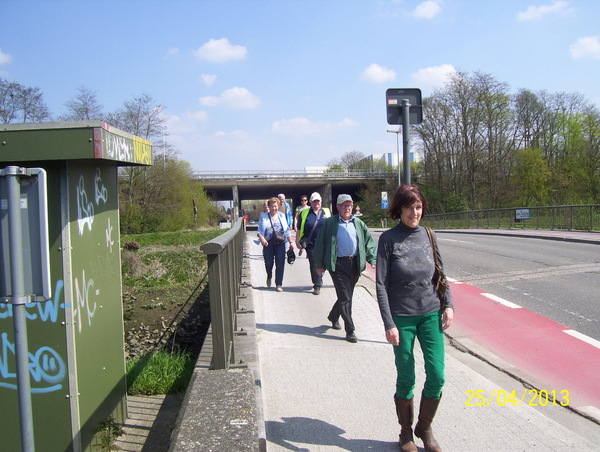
<point x="34" y="234"/>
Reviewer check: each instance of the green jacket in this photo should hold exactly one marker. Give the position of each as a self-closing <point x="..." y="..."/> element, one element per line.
<point x="325" y="251"/>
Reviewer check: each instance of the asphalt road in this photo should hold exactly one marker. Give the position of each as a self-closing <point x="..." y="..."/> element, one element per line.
<point x="558" y="280"/>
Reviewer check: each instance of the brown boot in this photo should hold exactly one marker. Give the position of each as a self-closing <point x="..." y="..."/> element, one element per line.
<point x="405" y="411"/>
<point x="423" y="428"/>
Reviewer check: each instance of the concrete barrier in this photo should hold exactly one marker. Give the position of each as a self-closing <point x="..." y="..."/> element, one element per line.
<point x="222" y="409"/>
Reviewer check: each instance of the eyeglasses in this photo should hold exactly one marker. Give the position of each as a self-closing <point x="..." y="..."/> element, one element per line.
<point x="346" y="206"/>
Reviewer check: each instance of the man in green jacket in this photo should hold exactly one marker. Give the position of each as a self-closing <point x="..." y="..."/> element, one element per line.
<point x="343" y="247"/>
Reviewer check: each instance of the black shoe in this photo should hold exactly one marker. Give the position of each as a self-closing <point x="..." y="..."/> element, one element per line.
<point x="316" y="290"/>
<point x="335" y="325"/>
<point x="351" y="337"/>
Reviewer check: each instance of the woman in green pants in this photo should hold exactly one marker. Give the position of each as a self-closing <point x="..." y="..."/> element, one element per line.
<point x="411" y="309"/>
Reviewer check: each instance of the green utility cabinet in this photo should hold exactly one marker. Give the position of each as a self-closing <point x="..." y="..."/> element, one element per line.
<point x="75" y="340"/>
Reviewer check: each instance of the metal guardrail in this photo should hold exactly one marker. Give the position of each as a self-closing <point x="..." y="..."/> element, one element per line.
<point x="225" y="254"/>
<point x="585" y="217"/>
<point x="237" y="175"/>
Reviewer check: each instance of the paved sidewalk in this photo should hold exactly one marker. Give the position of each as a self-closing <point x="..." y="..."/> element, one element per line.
<point x="321" y="393"/>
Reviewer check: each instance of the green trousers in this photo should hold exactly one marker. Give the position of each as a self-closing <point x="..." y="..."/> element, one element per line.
<point x="428" y="330"/>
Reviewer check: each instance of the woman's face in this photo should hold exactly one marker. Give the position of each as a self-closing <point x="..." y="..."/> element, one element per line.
<point x="273" y="208"/>
<point x="411" y="215"/>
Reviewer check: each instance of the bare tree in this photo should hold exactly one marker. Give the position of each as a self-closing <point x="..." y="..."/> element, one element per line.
<point x="83" y="106"/>
<point x="347" y="160"/>
<point x="21" y="104"/>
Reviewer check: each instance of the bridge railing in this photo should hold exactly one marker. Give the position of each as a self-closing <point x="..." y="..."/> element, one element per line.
<point x="237" y="175"/>
<point x="225" y="254"/>
<point x="584" y="217"/>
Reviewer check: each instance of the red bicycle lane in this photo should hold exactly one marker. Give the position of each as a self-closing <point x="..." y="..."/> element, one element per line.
<point x="544" y="353"/>
<point x="531" y="347"/>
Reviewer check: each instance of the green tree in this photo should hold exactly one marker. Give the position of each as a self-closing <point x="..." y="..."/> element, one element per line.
<point x="531" y="177"/>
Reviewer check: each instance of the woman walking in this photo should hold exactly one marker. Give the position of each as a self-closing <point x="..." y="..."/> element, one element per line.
<point x="273" y="231"/>
<point x="410" y="308"/>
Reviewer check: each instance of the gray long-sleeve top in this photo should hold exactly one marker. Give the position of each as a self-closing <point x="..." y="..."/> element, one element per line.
<point x="405" y="267"/>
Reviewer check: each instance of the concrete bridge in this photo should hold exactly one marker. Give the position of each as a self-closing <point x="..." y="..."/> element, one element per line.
<point x="238" y="186"/>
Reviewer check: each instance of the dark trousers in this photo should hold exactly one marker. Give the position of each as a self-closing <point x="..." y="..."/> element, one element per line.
<point x="314" y="274"/>
<point x="344" y="278"/>
<point x="275" y="253"/>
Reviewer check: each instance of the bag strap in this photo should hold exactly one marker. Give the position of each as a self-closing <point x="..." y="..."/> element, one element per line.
<point x="438" y="270"/>
<point x="273" y="227"/>
<point x="433" y="246"/>
<point x="314" y="225"/>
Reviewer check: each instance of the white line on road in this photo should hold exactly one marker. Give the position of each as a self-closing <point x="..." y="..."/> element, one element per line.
<point x="583" y="337"/>
<point x="501" y="301"/>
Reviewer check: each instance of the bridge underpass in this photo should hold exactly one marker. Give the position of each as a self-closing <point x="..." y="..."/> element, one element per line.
<point x="250" y="186"/>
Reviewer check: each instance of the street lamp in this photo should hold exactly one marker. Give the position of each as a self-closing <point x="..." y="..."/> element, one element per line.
<point x="397" y="149"/>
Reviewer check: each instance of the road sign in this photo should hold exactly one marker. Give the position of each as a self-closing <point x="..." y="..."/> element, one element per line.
<point x="384" y="200"/>
<point x="394" y="98"/>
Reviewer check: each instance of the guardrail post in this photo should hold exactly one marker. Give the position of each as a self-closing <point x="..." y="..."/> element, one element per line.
<point x="224" y="277"/>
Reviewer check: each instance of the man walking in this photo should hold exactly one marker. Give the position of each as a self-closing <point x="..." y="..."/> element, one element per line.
<point x="343" y="247"/>
<point x="285" y="207"/>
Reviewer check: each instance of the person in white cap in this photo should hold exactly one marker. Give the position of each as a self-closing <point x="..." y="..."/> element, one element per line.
<point x="344" y="246"/>
<point x="309" y="224"/>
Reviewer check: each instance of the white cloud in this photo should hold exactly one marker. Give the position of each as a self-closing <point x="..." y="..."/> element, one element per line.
<point x="304" y="126"/>
<point x="208" y="79"/>
<point x="186" y="124"/>
<point x="588" y="47"/>
<point x="432" y="77"/>
<point x="5" y="58"/>
<point x="538" y="12"/>
<point x="172" y="52"/>
<point x="427" y="10"/>
<point x="235" y="97"/>
<point x="220" y="51"/>
<point x="378" y="74"/>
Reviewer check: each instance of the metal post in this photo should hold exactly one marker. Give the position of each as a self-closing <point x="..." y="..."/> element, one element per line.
<point x="18" y="300"/>
<point x="397" y="152"/>
<point x="406" y="140"/>
<point x="398" y="156"/>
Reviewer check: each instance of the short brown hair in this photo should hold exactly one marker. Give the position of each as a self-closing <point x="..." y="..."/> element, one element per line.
<point x="272" y="200"/>
<point x="406" y="195"/>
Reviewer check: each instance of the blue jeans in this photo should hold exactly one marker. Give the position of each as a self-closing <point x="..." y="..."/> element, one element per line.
<point x="275" y="253"/>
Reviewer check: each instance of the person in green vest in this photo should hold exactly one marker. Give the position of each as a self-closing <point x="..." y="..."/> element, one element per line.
<point x="309" y="223"/>
<point x="303" y="205"/>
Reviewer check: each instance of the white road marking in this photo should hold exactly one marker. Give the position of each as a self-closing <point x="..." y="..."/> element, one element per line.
<point x="501" y="301"/>
<point x="583" y="337"/>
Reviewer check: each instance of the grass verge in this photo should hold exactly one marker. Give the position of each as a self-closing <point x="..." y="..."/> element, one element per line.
<point x="165" y="283"/>
<point x="160" y="373"/>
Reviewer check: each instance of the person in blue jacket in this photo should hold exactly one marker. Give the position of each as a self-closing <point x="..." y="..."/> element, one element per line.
<point x="285" y="208"/>
<point x="273" y="252"/>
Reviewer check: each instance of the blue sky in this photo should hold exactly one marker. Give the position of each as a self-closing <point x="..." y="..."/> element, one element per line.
<point x="281" y="85"/>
